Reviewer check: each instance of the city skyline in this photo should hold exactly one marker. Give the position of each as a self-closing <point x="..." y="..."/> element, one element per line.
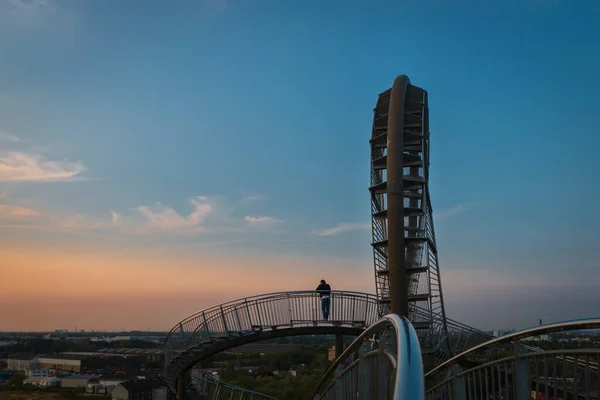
<point x="194" y="156"/>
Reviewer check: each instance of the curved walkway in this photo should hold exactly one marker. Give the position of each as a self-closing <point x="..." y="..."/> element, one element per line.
<point x="256" y="318"/>
<point x="267" y="316"/>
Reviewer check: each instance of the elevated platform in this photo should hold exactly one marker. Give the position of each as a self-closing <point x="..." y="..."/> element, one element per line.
<point x="262" y="317"/>
<point x="252" y="319"/>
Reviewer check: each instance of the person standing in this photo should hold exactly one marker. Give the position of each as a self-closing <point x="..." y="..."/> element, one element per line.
<point x="324" y="291"/>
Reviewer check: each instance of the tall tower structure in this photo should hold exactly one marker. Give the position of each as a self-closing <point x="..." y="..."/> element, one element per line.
<point x="407" y="272"/>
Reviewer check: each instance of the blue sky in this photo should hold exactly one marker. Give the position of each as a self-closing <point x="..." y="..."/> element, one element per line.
<point x="116" y="116"/>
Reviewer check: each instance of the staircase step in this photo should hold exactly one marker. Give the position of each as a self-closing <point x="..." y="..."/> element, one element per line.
<point x="421" y="324"/>
<point x="379" y="141"/>
<point x="418" y="297"/>
<point x="410" y="270"/>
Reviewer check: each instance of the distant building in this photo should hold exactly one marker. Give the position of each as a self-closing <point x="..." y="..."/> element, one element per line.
<point x="38" y="372"/>
<point x="155" y="389"/>
<point x="84" y="363"/>
<point x="105" y="384"/>
<point x="539" y="338"/>
<point x="42" y="381"/>
<point x="61" y="363"/>
<point x="77" y="381"/>
<point x="154" y="356"/>
<point x="331" y="353"/>
<point x="21" y="364"/>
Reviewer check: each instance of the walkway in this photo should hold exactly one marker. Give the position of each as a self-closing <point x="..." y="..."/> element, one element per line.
<point x="252" y="319"/>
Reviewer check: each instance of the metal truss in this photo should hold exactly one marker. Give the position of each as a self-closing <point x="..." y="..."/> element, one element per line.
<point x="420" y="252"/>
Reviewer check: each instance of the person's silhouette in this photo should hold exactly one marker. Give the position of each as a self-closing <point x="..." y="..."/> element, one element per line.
<point x="324" y="291"/>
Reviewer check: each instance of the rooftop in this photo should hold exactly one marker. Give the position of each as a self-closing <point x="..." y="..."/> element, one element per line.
<point x="85" y="377"/>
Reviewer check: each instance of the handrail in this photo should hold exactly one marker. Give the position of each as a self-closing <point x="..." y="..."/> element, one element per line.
<point x="408" y="382"/>
<point x="572" y="325"/>
<point x="219" y="385"/>
<point x="258" y="296"/>
<point x="248" y="318"/>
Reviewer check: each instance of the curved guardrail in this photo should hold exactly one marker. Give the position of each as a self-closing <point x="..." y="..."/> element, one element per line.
<point x="384" y="362"/>
<point x="254" y="318"/>
<point x="526" y="373"/>
<point x="208" y="388"/>
<point x="244" y="320"/>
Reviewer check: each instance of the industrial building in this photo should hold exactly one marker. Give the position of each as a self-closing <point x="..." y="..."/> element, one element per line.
<point x="155" y="389"/>
<point x="77" y="381"/>
<point x="21" y="364"/>
<point x="42" y="381"/>
<point x="83" y="363"/>
<point x="153" y="358"/>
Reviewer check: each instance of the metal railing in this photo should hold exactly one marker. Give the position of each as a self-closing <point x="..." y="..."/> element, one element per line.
<point x="525" y="373"/>
<point x="208" y="388"/>
<point x="268" y="312"/>
<point x="383" y="363"/>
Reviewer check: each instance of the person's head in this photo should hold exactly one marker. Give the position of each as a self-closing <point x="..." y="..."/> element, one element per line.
<point x="322" y="281"/>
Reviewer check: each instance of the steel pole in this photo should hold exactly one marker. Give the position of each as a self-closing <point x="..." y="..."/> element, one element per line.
<point x="395" y="198"/>
<point x="339" y="345"/>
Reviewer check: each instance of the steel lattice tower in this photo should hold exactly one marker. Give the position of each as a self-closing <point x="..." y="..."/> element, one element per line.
<point x="405" y="254"/>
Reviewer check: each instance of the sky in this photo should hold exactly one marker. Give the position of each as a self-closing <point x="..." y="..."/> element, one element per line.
<point x="159" y="157"/>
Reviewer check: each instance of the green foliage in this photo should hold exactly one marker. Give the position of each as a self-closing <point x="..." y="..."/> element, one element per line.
<point x="284" y="386"/>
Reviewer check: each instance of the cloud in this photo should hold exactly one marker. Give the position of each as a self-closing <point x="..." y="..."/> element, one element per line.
<point x="209" y="215"/>
<point x="159" y="218"/>
<point x="450" y="212"/>
<point x="355" y="226"/>
<point x="341" y="228"/>
<point x="7" y="211"/>
<point x="260" y="219"/>
<point x="41" y="16"/>
<point x="24" y="167"/>
<point x="9" y="137"/>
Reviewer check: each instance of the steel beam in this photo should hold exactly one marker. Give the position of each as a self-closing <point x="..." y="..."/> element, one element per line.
<point x="395" y="198"/>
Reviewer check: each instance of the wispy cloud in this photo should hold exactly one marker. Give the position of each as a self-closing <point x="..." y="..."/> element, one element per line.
<point x="260" y="219"/>
<point x="9" y="137"/>
<point x="23" y="167"/>
<point x="8" y="211"/>
<point x="209" y="214"/>
<point x="46" y="17"/>
<point x="450" y="212"/>
<point x="341" y="228"/>
<point x="159" y="218"/>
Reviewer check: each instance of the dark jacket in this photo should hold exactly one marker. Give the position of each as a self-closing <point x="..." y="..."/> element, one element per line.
<point x="324" y="289"/>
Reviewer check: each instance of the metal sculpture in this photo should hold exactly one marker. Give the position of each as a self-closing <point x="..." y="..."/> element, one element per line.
<point x="407" y="273"/>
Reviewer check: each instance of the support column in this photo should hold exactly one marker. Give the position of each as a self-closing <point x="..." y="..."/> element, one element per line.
<point x="181" y="388"/>
<point x="395" y="198"/>
<point x="339" y="345"/>
<point x="521" y="377"/>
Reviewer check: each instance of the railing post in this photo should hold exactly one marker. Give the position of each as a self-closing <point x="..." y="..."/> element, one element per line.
<point x="224" y="321"/>
<point x="206" y="325"/>
<point x="521" y="378"/>
<point x="363" y="372"/>
<point x="238" y="318"/>
<point x="383" y="367"/>
<point x="182" y="333"/>
<point x="248" y="311"/>
<point x="460" y="392"/>
<point x="290" y="308"/>
<point x="339" y="388"/>
<point x="181" y="388"/>
<point x="339" y="345"/>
